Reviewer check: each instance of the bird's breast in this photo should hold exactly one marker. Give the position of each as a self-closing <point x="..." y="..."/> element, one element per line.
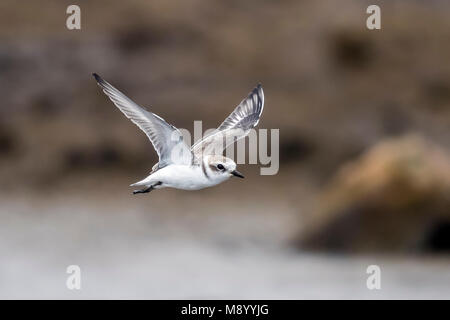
<point x="186" y="177"/>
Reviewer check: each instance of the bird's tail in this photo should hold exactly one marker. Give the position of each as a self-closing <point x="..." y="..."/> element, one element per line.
<point x="147" y="181"/>
<point x="144" y="182"/>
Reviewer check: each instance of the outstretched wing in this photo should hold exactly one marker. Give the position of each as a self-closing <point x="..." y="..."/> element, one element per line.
<point x="236" y="126"/>
<point x="166" y="139"/>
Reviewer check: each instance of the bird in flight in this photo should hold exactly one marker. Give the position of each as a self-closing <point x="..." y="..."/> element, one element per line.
<point x="179" y="166"/>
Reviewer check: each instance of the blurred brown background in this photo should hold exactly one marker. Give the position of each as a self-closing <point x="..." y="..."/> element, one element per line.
<point x="364" y="119"/>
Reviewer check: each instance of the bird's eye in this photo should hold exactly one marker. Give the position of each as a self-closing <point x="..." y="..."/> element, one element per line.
<point x="220" y="166"/>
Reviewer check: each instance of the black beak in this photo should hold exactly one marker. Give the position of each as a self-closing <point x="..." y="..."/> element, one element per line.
<point x="237" y="174"/>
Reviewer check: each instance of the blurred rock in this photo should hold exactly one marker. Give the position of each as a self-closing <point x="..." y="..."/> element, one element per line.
<point x="396" y="197"/>
<point x="44" y="106"/>
<point x="98" y="157"/>
<point x="351" y="50"/>
<point x="439" y="236"/>
<point x="296" y="148"/>
<point x="8" y="141"/>
<point x="437" y="92"/>
<point x="139" y="38"/>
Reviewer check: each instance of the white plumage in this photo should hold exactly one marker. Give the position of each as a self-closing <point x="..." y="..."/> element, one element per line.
<point x="182" y="167"/>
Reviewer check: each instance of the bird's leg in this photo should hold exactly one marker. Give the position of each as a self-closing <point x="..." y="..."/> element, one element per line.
<point x="148" y="189"/>
<point x="145" y="190"/>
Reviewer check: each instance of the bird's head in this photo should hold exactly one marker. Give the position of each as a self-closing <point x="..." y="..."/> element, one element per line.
<point x="222" y="168"/>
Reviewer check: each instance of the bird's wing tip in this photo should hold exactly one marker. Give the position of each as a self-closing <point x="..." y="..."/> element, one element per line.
<point x="97" y="77"/>
<point x="258" y="90"/>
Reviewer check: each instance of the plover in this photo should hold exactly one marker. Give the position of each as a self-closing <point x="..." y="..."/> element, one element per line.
<point x="182" y="167"/>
